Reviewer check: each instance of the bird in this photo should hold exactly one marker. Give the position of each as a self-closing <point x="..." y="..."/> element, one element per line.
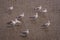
<point x="14" y="22"/>
<point x="48" y="23"/>
<point x="35" y="16"/>
<point x="11" y="8"/>
<point x="45" y="10"/>
<point x="20" y="16"/>
<point x="38" y="8"/>
<point x="25" y="33"/>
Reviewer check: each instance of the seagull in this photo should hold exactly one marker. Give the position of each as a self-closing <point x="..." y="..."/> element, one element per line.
<point x="11" y="8"/>
<point x="38" y="8"/>
<point x="25" y="33"/>
<point x="48" y="23"/>
<point x="45" y="10"/>
<point x="35" y="16"/>
<point x="20" y="16"/>
<point x="14" y="22"/>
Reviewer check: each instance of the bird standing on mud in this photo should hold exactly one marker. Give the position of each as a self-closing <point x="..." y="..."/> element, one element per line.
<point x="34" y="16"/>
<point x="46" y="24"/>
<point x="38" y="8"/>
<point x="25" y="33"/>
<point x="11" y="8"/>
<point x="21" y="15"/>
<point x="14" y="22"/>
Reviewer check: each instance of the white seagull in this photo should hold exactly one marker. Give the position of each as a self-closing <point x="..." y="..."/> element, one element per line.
<point x="15" y="21"/>
<point x="36" y="15"/>
<point x="11" y="8"/>
<point x="25" y="33"/>
<point x="40" y="7"/>
<point x="45" y="10"/>
<point x="48" y="23"/>
<point x="22" y="15"/>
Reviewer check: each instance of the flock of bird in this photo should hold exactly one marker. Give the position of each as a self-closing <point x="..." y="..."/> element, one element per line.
<point x="26" y="32"/>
